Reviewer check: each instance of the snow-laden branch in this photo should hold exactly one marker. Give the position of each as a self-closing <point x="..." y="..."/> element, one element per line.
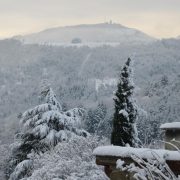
<point x="154" y="168"/>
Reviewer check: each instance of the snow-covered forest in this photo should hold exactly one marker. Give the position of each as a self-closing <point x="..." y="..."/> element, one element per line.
<point x="81" y="85"/>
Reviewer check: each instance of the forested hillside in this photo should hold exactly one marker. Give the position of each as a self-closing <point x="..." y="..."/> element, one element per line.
<point x="85" y="77"/>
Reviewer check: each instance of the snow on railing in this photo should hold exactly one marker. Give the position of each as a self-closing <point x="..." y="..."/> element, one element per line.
<point x="145" y="163"/>
<point x="143" y="153"/>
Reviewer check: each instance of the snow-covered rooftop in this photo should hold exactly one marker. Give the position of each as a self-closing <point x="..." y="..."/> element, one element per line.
<point x="173" y="125"/>
<point x="144" y="153"/>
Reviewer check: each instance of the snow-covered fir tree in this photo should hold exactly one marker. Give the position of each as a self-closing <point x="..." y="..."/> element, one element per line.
<point x="125" y="116"/>
<point x="42" y="127"/>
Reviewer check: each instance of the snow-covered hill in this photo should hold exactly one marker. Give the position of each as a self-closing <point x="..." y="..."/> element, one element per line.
<point x="83" y="34"/>
<point x="83" y="77"/>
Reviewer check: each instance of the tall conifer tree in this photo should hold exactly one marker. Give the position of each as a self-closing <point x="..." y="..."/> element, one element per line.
<point x="125" y="115"/>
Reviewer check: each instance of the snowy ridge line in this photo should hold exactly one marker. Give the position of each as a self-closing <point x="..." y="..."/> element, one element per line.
<point x="91" y="35"/>
<point x="143" y="153"/>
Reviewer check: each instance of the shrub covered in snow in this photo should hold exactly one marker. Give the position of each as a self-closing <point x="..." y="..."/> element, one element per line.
<point x="71" y="160"/>
<point x="4" y="153"/>
<point x="155" y="169"/>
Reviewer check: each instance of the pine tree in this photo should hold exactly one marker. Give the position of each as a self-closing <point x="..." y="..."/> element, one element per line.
<point x="125" y="116"/>
<point x="42" y="127"/>
<point x="95" y="118"/>
<point x="50" y="97"/>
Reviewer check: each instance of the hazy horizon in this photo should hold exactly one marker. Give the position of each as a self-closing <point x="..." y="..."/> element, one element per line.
<point x="160" y="19"/>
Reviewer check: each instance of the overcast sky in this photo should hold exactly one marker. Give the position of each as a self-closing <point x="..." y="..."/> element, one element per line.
<point x="159" y="18"/>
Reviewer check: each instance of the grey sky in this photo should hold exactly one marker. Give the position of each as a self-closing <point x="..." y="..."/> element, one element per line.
<point x="159" y="18"/>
